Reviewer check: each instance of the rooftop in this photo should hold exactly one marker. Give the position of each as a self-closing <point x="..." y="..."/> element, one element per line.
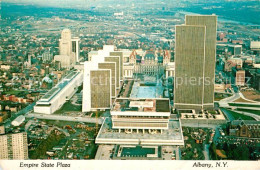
<point x="171" y="136"/>
<point x="142" y="105"/>
<point x="55" y="90"/>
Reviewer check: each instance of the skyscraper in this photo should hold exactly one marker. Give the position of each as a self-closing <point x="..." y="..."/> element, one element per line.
<point x="69" y="49"/>
<point x="195" y="56"/>
<point x="65" y="43"/>
<point x="96" y="87"/>
<point x="111" y="66"/>
<point x="75" y="47"/>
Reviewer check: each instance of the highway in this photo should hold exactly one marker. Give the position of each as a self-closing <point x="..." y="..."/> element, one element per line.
<point x="64" y="118"/>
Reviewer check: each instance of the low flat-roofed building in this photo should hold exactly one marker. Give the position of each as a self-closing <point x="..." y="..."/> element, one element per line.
<point x="170" y="69"/>
<point x="64" y="60"/>
<point x="255" y="45"/>
<point x="235" y="49"/>
<point x="57" y="96"/>
<point x="18" y="121"/>
<point x="132" y="114"/>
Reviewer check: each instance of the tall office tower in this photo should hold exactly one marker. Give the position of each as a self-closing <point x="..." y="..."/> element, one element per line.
<point x="195" y="57"/>
<point x="119" y="54"/>
<point x="96" y="88"/>
<point x="67" y="58"/>
<point x="75" y="47"/>
<point x="14" y="146"/>
<point x="111" y="66"/>
<point x="65" y="43"/>
<point x="117" y="61"/>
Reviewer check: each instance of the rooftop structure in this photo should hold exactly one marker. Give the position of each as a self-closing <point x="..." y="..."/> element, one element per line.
<point x="171" y="136"/>
<point x="59" y="94"/>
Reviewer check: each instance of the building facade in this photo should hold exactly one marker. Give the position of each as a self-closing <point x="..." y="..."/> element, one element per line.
<point x="195" y="57"/>
<point x="14" y="146"/>
<point x="97" y="91"/>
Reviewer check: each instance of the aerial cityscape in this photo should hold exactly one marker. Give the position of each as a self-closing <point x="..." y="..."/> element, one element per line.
<point x="130" y="80"/>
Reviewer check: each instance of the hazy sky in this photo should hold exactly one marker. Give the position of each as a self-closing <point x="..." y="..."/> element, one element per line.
<point x="57" y="2"/>
<point x="88" y="3"/>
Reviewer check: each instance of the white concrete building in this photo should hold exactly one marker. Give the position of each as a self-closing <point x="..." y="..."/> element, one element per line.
<point x="170" y="69"/>
<point x="19" y="120"/>
<point x="140" y="115"/>
<point x="69" y="50"/>
<point x="57" y="96"/>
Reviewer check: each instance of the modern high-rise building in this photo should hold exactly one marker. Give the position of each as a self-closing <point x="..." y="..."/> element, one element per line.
<point x="111" y="66"/>
<point x="96" y="88"/>
<point x="120" y="54"/>
<point x="14" y="146"/>
<point x="117" y="61"/>
<point x="75" y="47"/>
<point x="65" y="43"/>
<point x="195" y="56"/>
<point x="69" y="49"/>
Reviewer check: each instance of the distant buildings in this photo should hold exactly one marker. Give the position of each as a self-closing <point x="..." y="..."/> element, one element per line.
<point x="195" y="63"/>
<point x="235" y="49"/>
<point x="14" y="146"/>
<point x="255" y="45"/>
<point x="240" y="77"/>
<point x="69" y="50"/>
<point x="47" y="57"/>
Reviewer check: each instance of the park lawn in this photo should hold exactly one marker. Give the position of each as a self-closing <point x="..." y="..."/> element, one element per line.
<point x="256" y="112"/>
<point x="238" y="115"/>
<point x="68" y="107"/>
<point x="243" y="105"/>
